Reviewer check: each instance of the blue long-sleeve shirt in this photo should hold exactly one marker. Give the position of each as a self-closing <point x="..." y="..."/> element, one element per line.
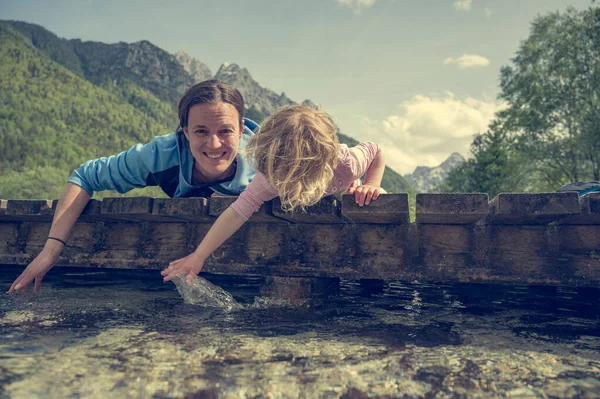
<point x="167" y="162"/>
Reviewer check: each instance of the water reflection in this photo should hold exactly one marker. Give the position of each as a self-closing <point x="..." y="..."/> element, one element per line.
<point x="127" y="334"/>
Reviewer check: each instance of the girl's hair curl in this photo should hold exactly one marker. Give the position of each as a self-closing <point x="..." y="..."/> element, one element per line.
<point x="296" y="148"/>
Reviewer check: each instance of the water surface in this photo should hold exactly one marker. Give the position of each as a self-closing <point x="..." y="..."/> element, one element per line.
<point x="110" y="333"/>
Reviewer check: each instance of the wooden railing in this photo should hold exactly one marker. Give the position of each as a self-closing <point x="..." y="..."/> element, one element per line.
<point x="551" y="238"/>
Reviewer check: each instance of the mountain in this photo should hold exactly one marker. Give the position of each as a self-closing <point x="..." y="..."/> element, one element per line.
<point x="143" y="63"/>
<point x="102" y="82"/>
<point x="259" y="100"/>
<point x="52" y="120"/>
<point x="425" y="178"/>
<point x="196" y="69"/>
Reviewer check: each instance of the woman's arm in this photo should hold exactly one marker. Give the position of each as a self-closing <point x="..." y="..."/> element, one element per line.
<point x="72" y="201"/>
<point x="228" y="223"/>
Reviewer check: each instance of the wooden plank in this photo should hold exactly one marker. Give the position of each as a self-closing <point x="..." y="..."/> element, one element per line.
<point x="3" y="204"/>
<point x="90" y="213"/>
<point x="507" y="208"/>
<point x="8" y="237"/>
<point x="218" y="204"/>
<point x="379" y="251"/>
<point x="132" y="209"/>
<point x="387" y="209"/>
<point x="445" y="248"/>
<point x="28" y="210"/>
<point x="451" y="208"/>
<point x="523" y="254"/>
<point x="325" y="211"/>
<point x="589" y="211"/>
<point x="580" y="252"/>
<point x="182" y="209"/>
<point x="119" y="241"/>
<point x="35" y="236"/>
<point x="530" y="254"/>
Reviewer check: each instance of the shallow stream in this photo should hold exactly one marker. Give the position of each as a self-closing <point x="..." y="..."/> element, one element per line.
<point x="126" y="334"/>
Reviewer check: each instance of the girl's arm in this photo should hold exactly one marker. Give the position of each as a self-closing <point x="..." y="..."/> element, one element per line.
<point x="375" y="171"/>
<point x="228" y="223"/>
<point x="371" y="188"/>
<point x="72" y="201"/>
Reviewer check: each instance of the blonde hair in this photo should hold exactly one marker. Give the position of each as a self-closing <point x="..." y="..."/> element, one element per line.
<point x="296" y="148"/>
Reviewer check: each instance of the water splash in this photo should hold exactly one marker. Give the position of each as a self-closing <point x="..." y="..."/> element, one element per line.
<point x="203" y="292"/>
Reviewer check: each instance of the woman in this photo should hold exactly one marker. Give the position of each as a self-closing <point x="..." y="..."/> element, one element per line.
<point x="200" y="159"/>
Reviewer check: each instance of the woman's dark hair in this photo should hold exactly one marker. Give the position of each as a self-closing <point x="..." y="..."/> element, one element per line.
<point x="209" y="92"/>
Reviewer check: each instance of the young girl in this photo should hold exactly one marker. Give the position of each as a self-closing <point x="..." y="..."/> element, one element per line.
<point x="298" y="158"/>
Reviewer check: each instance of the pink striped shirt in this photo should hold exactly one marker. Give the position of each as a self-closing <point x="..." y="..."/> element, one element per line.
<point x="352" y="165"/>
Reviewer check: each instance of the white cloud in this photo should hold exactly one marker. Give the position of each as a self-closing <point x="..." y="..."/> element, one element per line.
<point x="488" y="12"/>
<point x="464" y="5"/>
<point x="468" y="61"/>
<point x="427" y="129"/>
<point x="357" y="5"/>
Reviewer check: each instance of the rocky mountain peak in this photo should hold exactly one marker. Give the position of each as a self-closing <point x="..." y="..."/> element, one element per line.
<point x="452" y="161"/>
<point x="197" y="70"/>
<point x="255" y="96"/>
<point x="425" y="178"/>
<point x="308" y="103"/>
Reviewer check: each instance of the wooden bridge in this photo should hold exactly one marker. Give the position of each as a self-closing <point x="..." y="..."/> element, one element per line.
<point x="551" y="239"/>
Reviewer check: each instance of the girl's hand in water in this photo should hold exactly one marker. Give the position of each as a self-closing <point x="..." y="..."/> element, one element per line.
<point x="366" y="193"/>
<point x="190" y="266"/>
<point x="36" y="270"/>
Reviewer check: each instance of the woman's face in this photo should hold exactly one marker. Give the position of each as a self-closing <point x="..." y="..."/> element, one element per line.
<point x="214" y="133"/>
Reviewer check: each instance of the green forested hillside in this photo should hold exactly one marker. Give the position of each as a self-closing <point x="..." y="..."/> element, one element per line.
<point x="51" y="120"/>
<point x="141" y="63"/>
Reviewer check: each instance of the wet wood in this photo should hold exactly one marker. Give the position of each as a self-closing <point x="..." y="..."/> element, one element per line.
<point x="325" y="211"/>
<point x="182" y="209"/>
<point x="532" y="208"/>
<point x="148" y="234"/>
<point x="27" y="210"/>
<point x="3" y="204"/>
<point x="579" y="255"/>
<point x="264" y="214"/>
<point x="451" y="208"/>
<point x="387" y="209"/>
<point x="589" y="211"/>
<point x="127" y="209"/>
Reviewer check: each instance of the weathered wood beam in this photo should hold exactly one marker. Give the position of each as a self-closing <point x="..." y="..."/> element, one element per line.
<point x="451" y="208"/>
<point x="589" y="211"/>
<point x="508" y="208"/>
<point x="128" y="208"/>
<point x="325" y="211"/>
<point x="387" y="209"/>
<point x="148" y="234"/>
<point x="263" y="215"/>
<point x="27" y="210"/>
<point x="182" y="209"/>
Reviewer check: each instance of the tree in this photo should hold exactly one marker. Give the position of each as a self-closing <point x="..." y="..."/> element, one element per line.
<point x="493" y="167"/>
<point x="552" y="90"/>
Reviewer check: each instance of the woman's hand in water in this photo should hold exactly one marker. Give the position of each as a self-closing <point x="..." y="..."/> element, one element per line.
<point x="37" y="269"/>
<point x="366" y="193"/>
<point x="190" y="266"/>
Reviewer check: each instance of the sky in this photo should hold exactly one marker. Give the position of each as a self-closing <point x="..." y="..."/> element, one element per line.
<point x="419" y="77"/>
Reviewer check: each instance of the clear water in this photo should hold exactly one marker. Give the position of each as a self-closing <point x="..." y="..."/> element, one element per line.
<point x="126" y="334"/>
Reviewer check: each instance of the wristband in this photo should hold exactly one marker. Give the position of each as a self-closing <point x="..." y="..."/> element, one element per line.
<point x="57" y="239"/>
